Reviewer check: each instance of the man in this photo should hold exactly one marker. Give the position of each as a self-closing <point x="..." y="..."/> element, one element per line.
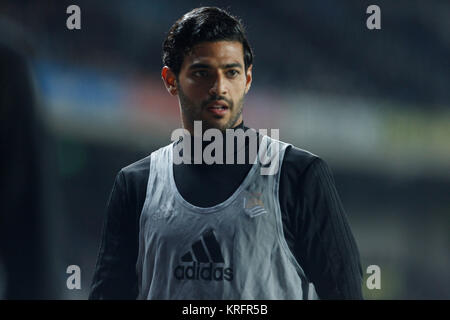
<point x="223" y="231"/>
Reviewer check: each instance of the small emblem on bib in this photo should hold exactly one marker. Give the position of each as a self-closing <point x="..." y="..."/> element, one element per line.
<point x="253" y="204"/>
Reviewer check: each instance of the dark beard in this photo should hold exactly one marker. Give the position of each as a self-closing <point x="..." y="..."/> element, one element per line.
<point x="233" y="120"/>
<point x="193" y="113"/>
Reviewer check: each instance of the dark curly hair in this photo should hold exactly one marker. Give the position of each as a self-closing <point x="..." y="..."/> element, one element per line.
<point x="199" y="25"/>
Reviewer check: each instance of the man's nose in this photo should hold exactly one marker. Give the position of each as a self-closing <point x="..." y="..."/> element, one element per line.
<point x="218" y="87"/>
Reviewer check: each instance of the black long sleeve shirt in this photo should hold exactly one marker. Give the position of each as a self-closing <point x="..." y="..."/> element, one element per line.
<point x="314" y="222"/>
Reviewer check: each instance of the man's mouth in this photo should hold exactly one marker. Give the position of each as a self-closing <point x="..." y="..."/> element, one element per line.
<point x="218" y="107"/>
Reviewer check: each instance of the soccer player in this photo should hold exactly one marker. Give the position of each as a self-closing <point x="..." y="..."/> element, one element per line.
<point x="223" y="231"/>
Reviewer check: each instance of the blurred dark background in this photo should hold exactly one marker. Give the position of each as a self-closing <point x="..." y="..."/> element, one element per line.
<point x="78" y="105"/>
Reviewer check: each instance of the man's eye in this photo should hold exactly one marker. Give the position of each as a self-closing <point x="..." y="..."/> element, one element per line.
<point x="201" y="73"/>
<point x="233" y="73"/>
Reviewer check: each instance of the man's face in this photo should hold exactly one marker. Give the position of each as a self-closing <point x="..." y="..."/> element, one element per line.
<point x="212" y="84"/>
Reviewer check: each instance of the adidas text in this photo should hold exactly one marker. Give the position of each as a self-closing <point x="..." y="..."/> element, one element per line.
<point x="208" y="272"/>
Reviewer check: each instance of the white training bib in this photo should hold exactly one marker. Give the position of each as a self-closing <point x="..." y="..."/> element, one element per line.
<point x="233" y="250"/>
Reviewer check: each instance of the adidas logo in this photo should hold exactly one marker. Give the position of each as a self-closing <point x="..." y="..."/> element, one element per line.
<point x="204" y="255"/>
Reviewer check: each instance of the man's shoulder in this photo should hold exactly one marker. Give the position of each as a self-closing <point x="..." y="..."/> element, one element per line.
<point x="140" y="168"/>
<point x="132" y="179"/>
<point x="298" y="161"/>
<point x="297" y="156"/>
<point x="136" y="171"/>
<point x="137" y="166"/>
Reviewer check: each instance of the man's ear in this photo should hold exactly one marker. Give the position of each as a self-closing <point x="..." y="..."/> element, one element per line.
<point x="248" y="78"/>
<point x="170" y="80"/>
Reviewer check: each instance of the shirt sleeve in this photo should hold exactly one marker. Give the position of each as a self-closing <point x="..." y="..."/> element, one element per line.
<point x="324" y="241"/>
<point x="115" y="273"/>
